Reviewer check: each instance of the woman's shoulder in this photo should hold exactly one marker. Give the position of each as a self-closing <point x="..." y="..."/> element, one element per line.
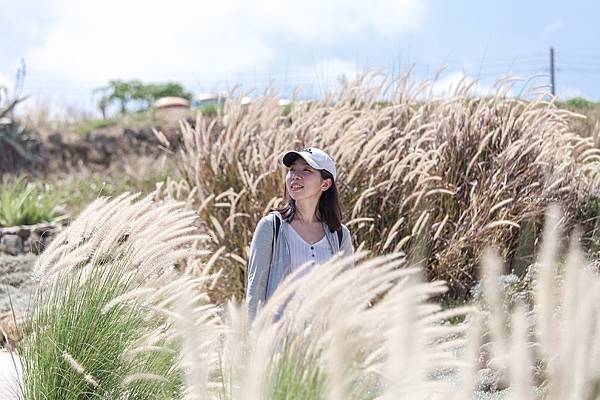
<point x="345" y="230"/>
<point x="346" y="243"/>
<point x="342" y="232"/>
<point x="267" y="221"/>
<point x="270" y="217"/>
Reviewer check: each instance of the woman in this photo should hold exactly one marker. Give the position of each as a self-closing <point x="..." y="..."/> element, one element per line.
<point x="304" y="232"/>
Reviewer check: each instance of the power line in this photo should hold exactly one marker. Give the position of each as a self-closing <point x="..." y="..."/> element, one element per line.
<point x="51" y="83"/>
<point x="588" y="57"/>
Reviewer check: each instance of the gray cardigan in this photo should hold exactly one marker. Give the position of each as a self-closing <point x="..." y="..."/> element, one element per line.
<point x="261" y="285"/>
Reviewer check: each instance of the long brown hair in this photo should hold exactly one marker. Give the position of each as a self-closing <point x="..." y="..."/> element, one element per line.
<point x="328" y="210"/>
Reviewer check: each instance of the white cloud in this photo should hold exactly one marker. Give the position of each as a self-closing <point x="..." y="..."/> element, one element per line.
<point x="6" y="82"/>
<point x="570" y="92"/>
<point x="97" y="41"/>
<point x="554" y="27"/>
<point x="329" y="20"/>
<point x="448" y="85"/>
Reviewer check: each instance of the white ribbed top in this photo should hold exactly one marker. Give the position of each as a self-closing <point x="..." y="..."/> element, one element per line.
<point x="302" y="252"/>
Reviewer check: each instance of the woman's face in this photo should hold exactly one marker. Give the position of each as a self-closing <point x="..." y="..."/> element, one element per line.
<point x="303" y="181"/>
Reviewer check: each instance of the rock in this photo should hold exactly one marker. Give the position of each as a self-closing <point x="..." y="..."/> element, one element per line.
<point x="11" y="244"/>
<point x="27" y="238"/>
<point x="59" y="210"/>
<point x="487" y="380"/>
<point x="41" y="237"/>
<point x="486" y="356"/>
<point x="56" y="139"/>
<point x="44" y="229"/>
<point x="11" y="329"/>
<point x="23" y="232"/>
<point x="35" y="244"/>
<point x="16" y="283"/>
<point x="10" y="230"/>
<point x="490" y="380"/>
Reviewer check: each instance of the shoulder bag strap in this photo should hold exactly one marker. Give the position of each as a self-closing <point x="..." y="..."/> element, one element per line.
<point x="276" y="224"/>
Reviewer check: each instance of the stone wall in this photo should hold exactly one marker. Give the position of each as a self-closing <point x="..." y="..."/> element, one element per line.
<point x="16" y="240"/>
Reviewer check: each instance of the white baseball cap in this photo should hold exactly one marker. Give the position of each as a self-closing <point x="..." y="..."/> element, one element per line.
<point x="314" y="157"/>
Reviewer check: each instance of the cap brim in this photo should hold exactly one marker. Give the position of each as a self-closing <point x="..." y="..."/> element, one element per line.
<point x="291" y="156"/>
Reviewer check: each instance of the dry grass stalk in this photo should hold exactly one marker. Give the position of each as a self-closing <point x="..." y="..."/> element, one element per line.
<point x="329" y="338"/>
<point x="478" y="168"/>
<point x="79" y="369"/>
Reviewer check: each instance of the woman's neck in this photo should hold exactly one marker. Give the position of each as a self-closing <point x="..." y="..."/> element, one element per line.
<point x="306" y="211"/>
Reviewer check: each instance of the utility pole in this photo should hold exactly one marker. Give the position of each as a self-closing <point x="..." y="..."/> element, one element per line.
<point x="552" y="83"/>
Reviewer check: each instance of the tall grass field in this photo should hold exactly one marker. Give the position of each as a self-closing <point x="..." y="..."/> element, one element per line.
<point x="142" y="297"/>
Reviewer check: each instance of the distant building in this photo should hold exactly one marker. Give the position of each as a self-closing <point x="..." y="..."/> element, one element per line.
<point x="203" y="99"/>
<point x="171" y="102"/>
<point x="171" y="109"/>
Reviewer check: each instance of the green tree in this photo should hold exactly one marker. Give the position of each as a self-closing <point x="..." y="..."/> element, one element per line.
<point x="579" y="102"/>
<point x="124" y="93"/>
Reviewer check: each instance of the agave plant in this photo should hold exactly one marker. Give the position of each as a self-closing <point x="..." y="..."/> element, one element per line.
<point x="17" y="145"/>
<point x="23" y="203"/>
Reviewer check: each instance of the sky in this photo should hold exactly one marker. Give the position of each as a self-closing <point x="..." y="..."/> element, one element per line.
<point x="71" y="47"/>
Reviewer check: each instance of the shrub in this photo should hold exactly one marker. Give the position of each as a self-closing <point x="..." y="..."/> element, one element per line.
<point x="287" y="110"/>
<point x="100" y="321"/>
<point x="579" y="102"/>
<point x="209" y="110"/>
<point x="585" y="119"/>
<point x="18" y="146"/>
<point x="75" y="348"/>
<point x="86" y="127"/>
<point x="23" y="203"/>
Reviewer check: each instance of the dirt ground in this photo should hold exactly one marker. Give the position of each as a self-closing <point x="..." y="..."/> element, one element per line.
<point x="15" y="287"/>
<point x="15" y="281"/>
<point x="8" y="376"/>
